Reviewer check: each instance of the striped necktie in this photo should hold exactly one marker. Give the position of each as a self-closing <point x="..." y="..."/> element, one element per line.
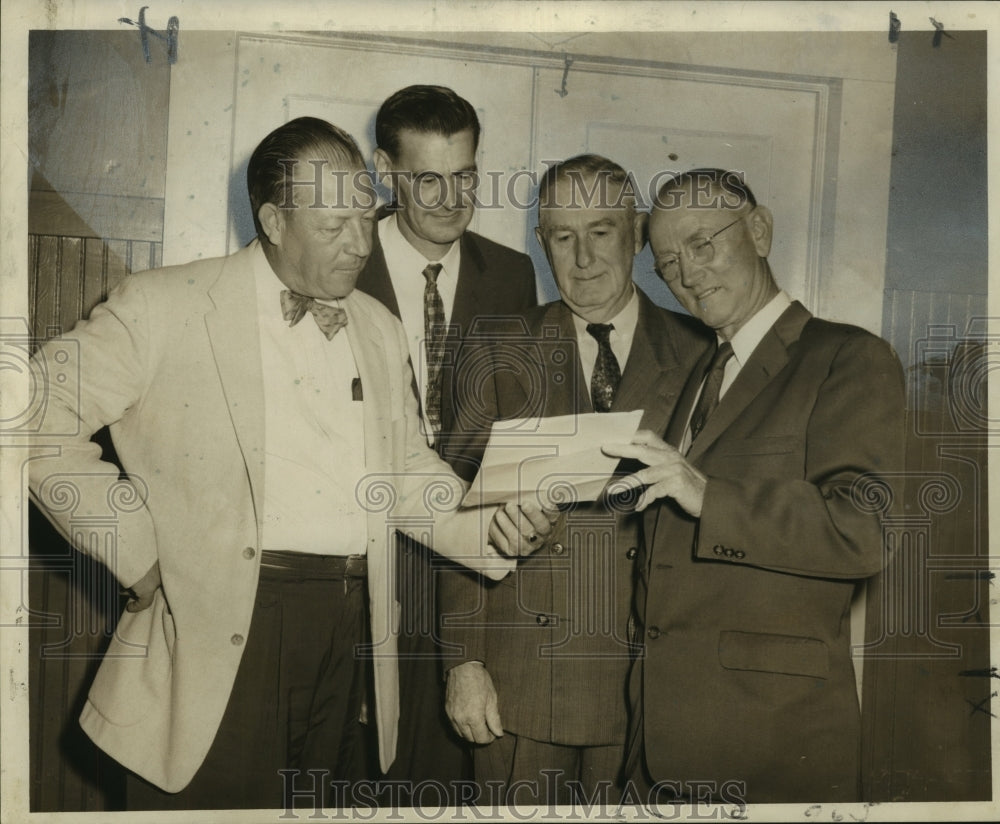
<point x="434" y="338"/>
<point x="710" y="391"/>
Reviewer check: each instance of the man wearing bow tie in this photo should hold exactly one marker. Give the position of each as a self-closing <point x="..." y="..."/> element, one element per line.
<point x="264" y="415"/>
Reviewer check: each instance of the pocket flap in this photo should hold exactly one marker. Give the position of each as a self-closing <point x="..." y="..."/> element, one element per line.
<point x="763" y="652"/>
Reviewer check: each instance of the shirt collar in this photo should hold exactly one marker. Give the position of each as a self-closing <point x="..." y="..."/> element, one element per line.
<point x="624" y="322"/>
<point x="400" y="256"/>
<point x="752" y="332"/>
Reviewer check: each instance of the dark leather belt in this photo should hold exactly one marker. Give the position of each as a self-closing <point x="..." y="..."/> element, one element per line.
<point x="325" y="566"/>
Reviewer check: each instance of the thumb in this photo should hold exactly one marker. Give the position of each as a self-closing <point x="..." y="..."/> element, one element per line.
<point x="139" y="604"/>
<point x="493" y="718"/>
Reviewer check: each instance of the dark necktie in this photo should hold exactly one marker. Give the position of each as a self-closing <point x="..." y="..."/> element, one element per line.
<point x="710" y="390"/>
<point x="607" y="373"/>
<point x="434" y="337"/>
<point x="330" y="319"/>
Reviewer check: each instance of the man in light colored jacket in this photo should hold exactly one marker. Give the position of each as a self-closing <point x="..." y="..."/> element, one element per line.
<point x="264" y="416"/>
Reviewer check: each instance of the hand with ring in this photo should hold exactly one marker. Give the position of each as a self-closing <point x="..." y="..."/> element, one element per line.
<point x="520" y="528"/>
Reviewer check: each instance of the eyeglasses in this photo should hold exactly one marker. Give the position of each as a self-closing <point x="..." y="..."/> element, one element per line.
<point x="700" y="250"/>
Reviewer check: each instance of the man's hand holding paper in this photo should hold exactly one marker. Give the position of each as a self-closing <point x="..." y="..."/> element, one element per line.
<point x="520" y="529"/>
<point x="550" y="461"/>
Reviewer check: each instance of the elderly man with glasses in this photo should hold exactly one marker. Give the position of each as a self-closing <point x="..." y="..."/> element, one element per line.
<point x="757" y="529"/>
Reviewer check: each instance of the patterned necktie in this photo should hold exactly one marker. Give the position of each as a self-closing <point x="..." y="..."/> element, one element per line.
<point x="434" y="337"/>
<point x="710" y="391"/>
<point x="607" y="373"/>
<point x="330" y="319"/>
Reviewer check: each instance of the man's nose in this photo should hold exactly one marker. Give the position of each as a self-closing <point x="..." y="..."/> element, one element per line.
<point x="457" y="192"/>
<point x="691" y="272"/>
<point x="359" y="239"/>
<point x="584" y="253"/>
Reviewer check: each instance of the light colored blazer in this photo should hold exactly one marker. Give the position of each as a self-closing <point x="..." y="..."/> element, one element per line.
<point x="171" y="362"/>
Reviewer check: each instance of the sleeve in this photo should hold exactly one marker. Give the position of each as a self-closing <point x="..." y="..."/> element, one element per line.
<point x="817" y="524"/>
<point x="428" y="483"/>
<point x="461" y="606"/>
<point x="462" y="597"/>
<point x="87" y="379"/>
<point x="474" y="406"/>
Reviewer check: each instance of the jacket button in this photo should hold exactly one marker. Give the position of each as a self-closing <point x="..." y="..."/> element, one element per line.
<point x="249" y="552"/>
<point x="541" y="620"/>
<point x="558" y="548"/>
<point x="730" y="552"/>
<point x="740" y="553"/>
<point x="653" y="632"/>
<point x="236" y="640"/>
<point x="717" y="549"/>
<point x="632" y="552"/>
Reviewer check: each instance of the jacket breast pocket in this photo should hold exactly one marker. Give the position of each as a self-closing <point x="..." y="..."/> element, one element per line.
<point x="765" y="652"/>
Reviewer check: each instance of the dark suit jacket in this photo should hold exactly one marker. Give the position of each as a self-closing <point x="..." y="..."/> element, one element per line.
<point x="493" y="280"/>
<point x="554" y="635"/>
<point x="747" y="673"/>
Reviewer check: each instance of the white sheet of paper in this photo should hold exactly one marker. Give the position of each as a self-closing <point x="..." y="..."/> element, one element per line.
<point x="556" y="460"/>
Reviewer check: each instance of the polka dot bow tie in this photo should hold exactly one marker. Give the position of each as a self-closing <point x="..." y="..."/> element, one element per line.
<point x="330" y="319"/>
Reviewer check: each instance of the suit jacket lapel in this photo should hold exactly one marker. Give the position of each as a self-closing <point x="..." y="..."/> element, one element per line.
<point x="235" y="339"/>
<point x="651" y="371"/>
<point x="570" y="396"/>
<point x="374" y="278"/>
<point x="369" y="356"/>
<point x="767" y="360"/>
<point x="467" y="293"/>
<point x="368" y="347"/>
<point x="678" y="423"/>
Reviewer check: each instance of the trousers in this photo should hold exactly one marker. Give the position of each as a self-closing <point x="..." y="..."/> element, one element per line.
<point x="528" y="772"/>
<point x="297" y="701"/>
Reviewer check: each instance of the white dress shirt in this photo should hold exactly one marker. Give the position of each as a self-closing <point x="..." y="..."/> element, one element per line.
<point x="406" y="266"/>
<point x="743" y="342"/>
<point x="621" y="338"/>
<point x="313" y="431"/>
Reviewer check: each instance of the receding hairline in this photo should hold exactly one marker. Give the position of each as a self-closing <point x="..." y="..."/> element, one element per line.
<point x="619" y="194"/>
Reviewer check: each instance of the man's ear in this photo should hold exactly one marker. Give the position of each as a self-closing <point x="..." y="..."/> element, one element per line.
<point x="761" y="224"/>
<point x="384" y="169"/>
<point x="272" y="221"/>
<point x="640" y="229"/>
<point x="540" y="237"/>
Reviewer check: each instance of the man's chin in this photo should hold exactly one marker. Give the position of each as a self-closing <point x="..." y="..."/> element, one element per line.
<point x="340" y="284"/>
<point x="448" y="227"/>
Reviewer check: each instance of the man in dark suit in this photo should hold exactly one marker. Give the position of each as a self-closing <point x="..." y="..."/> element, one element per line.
<point x="746" y="691"/>
<point x="438" y="279"/>
<point x="542" y="684"/>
